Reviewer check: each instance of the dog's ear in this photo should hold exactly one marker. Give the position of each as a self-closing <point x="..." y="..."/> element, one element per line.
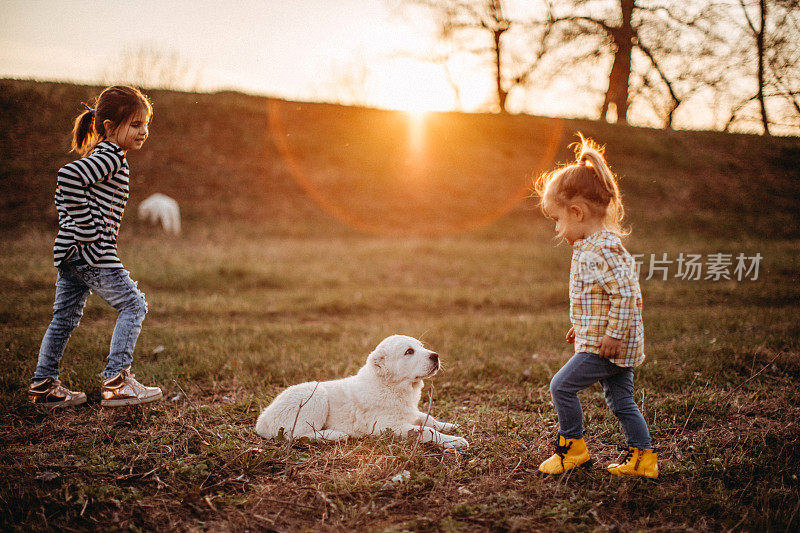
<point x="377" y="360"/>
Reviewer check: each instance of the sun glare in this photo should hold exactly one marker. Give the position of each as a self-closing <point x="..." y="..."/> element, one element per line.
<point x="416" y="133"/>
<point x="393" y="174"/>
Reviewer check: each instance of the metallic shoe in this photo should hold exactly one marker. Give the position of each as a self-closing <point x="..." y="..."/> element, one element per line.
<point x="51" y="393"/>
<point x="123" y="389"/>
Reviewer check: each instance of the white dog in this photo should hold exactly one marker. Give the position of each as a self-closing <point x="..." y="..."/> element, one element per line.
<point x="161" y="208"/>
<point x="384" y="394"/>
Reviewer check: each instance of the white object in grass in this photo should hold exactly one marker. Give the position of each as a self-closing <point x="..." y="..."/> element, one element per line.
<point x="160" y="208"/>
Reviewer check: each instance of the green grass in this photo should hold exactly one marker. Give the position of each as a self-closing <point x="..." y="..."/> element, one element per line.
<point x="241" y="318"/>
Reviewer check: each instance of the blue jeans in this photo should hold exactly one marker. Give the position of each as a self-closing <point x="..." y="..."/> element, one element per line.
<point x="73" y="285"/>
<point x="580" y="372"/>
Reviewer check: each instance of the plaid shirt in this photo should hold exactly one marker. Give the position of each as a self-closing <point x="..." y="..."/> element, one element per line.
<point x="605" y="298"/>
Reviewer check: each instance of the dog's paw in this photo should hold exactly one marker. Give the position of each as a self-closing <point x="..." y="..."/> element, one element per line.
<point x="455" y="442"/>
<point x="447" y="427"/>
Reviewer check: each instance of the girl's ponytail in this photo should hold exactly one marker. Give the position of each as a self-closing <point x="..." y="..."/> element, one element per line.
<point x="84" y="134"/>
<point x="590" y="179"/>
<point x="591" y="153"/>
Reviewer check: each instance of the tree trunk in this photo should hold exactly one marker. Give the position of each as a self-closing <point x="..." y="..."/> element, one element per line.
<point x="670" y="114"/>
<point x="760" y="45"/>
<point x="501" y="94"/>
<point x="619" y="76"/>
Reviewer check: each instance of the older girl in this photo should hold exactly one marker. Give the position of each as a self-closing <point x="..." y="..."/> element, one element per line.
<point x="91" y="194"/>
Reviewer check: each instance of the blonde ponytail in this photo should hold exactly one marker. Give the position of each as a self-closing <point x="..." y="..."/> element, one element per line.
<point x="590" y="152"/>
<point x="589" y="178"/>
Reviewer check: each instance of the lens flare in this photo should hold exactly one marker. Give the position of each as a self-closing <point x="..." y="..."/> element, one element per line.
<point x="411" y="172"/>
<point x="416" y="134"/>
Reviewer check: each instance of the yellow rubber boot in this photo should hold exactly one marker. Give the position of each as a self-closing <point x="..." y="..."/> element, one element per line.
<point x="569" y="454"/>
<point x="642" y="463"/>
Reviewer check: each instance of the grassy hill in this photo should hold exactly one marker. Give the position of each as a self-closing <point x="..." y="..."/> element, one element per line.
<point x="270" y="165"/>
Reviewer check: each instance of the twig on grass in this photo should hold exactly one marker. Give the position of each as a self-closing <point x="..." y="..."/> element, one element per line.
<point x="421" y="429"/>
<point x="743" y="383"/>
<point x="210" y="503"/>
<point x="265" y="519"/>
<point x="286" y="502"/>
<point x="297" y="416"/>
<point x="141" y="476"/>
<point x="103" y="429"/>
<point x="508" y="476"/>
<point x="199" y="416"/>
<point x="791" y="518"/>
<point x="689" y="416"/>
<point x="508" y="417"/>
<point x="739" y="523"/>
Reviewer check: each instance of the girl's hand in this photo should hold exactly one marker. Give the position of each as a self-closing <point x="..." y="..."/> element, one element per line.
<point x="571" y="335"/>
<point x="610" y="347"/>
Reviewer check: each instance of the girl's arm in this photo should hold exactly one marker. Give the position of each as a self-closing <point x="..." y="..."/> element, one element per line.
<point x="74" y="180"/>
<point x="99" y="166"/>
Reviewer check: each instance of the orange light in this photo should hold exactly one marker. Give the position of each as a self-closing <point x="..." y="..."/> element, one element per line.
<point x="411" y="173"/>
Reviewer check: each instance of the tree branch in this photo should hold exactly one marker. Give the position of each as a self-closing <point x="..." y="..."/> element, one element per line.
<point x="608" y="29"/>
<point x="638" y="44"/>
<point x="747" y="17"/>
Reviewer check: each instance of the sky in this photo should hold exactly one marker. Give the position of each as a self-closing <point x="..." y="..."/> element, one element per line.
<point x="293" y="49"/>
<point x="289" y="48"/>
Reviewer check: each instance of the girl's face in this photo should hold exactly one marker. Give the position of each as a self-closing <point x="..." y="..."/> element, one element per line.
<point x="571" y="221"/>
<point x="132" y="133"/>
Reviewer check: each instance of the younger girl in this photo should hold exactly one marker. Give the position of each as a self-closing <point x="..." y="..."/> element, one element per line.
<point x="605" y="310"/>
<point x="91" y="194"/>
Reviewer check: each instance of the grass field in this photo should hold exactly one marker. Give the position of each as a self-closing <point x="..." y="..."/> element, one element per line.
<point x="266" y="289"/>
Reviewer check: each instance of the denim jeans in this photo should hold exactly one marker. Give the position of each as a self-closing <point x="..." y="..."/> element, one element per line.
<point x="580" y="372"/>
<point x="74" y="284"/>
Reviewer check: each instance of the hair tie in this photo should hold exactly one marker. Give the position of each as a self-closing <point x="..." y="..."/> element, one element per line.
<point x="89" y="109"/>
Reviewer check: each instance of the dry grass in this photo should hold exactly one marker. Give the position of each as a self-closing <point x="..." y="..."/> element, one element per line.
<point x="264" y="290"/>
<point x="719" y="392"/>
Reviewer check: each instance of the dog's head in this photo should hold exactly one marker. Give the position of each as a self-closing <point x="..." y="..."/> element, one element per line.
<point x="402" y="358"/>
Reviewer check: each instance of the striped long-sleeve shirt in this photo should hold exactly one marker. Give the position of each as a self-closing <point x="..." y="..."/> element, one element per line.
<point x="90" y="198"/>
<point x="605" y="298"/>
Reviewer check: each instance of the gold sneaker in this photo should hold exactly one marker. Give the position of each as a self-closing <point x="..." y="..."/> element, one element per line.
<point x="123" y="389"/>
<point x="51" y="393"/>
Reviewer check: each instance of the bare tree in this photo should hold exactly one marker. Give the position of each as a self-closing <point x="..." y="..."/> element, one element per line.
<point x="348" y="83"/>
<point x="480" y="28"/>
<point x="676" y="44"/>
<point x="675" y="47"/>
<point x="655" y="55"/>
<point x="150" y="66"/>
<point x="758" y="31"/>
<point x="770" y="29"/>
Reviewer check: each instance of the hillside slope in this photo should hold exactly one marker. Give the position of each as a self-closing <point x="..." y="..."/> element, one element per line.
<point x="279" y="166"/>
